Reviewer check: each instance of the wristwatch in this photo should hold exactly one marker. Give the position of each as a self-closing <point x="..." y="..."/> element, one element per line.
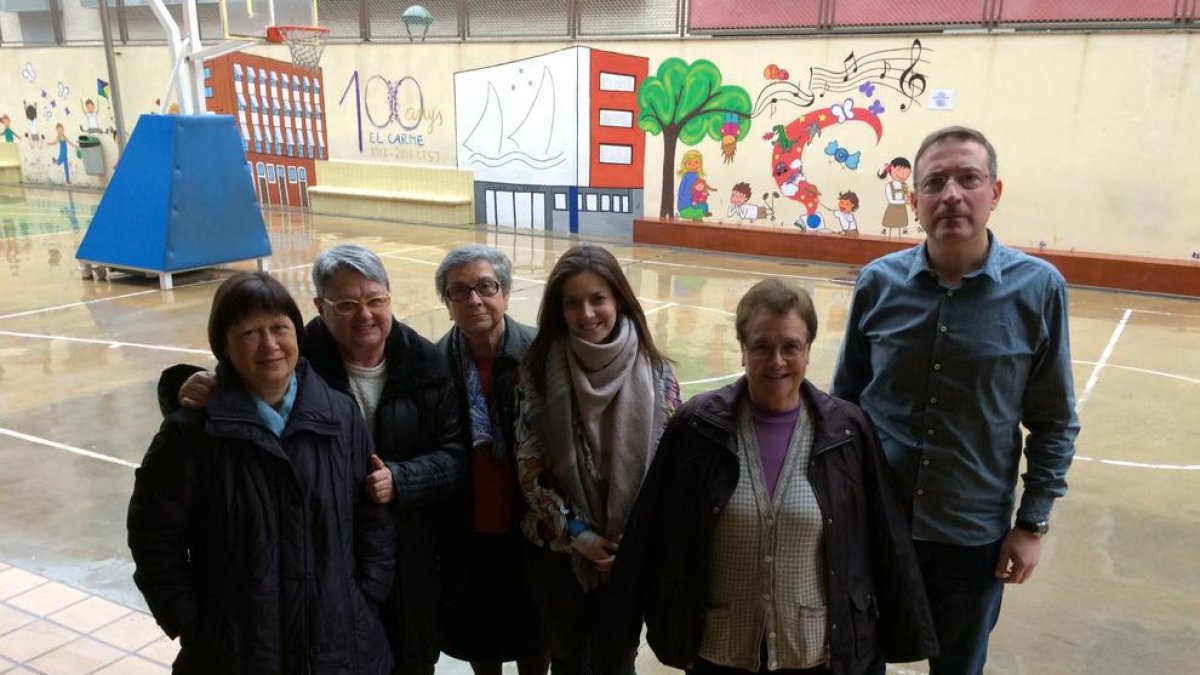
<point x="1037" y="528"/>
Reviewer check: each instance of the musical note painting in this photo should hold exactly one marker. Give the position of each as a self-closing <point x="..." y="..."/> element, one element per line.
<point x="899" y="70"/>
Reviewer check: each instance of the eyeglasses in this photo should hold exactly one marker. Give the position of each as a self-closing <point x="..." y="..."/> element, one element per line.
<point x="348" y="307"/>
<point x="968" y="181"/>
<point x="789" y="351"/>
<point x="486" y="288"/>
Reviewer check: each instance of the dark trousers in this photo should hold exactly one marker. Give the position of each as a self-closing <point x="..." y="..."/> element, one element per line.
<point x="569" y="615"/>
<point x="965" y="596"/>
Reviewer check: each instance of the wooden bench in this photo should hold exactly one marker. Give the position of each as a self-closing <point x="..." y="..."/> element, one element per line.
<point x="10" y="164"/>
<point x="419" y="194"/>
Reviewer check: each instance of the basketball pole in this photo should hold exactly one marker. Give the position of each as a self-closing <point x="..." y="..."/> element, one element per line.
<point x="111" y="59"/>
<point x="186" y="84"/>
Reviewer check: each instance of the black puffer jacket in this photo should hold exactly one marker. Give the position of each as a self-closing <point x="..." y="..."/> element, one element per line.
<point x="877" y="604"/>
<point x="458" y="515"/>
<point x="419" y="435"/>
<point x="264" y="553"/>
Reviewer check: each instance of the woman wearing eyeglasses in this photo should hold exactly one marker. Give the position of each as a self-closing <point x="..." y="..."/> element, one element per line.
<point x="488" y="615"/>
<point x="253" y="540"/>
<point x="405" y="392"/>
<point x="595" y="395"/>
<point x="766" y="536"/>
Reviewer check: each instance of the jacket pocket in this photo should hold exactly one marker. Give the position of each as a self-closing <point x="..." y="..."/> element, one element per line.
<point x="864" y="626"/>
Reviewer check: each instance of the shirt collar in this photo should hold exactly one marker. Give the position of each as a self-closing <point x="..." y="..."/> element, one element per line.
<point x="991" y="264"/>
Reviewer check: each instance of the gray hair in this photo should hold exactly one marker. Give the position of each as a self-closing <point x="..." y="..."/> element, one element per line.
<point x="959" y="134"/>
<point x="469" y="253"/>
<point x="347" y="257"/>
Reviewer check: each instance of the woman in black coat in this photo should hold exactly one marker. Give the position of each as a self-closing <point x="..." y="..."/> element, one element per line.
<point x="253" y="537"/>
<point x="488" y="614"/>
<point x="766" y="537"/>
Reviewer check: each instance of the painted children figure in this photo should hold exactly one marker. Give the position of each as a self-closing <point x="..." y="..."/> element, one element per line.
<point x="691" y="169"/>
<point x="738" y="203"/>
<point x="895" y="191"/>
<point x="10" y="136"/>
<point x="63" y="142"/>
<point x="698" y="209"/>
<point x="847" y="205"/>
<point x="89" y="114"/>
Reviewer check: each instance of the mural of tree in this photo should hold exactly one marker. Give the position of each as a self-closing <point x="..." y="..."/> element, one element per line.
<point x="688" y="103"/>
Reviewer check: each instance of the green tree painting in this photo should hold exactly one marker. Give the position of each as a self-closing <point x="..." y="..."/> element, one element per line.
<point x="687" y="103"/>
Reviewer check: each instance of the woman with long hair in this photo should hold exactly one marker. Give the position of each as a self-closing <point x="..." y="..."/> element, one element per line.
<point x="595" y="396"/>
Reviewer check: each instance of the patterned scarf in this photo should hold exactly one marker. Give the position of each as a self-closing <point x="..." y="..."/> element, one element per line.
<point x="485" y="423"/>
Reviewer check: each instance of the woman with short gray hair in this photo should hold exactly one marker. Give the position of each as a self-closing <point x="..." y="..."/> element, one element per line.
<point x="489" y="616"/>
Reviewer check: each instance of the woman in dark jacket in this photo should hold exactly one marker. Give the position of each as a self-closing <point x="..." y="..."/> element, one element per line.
<point x="488" y="614"/>
<point x="253" y="537"/>
<point x="403" y="389"/>
<point x="766" y="536"/>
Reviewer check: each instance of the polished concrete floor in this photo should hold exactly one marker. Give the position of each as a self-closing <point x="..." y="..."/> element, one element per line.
<point x="1117" y="592"/>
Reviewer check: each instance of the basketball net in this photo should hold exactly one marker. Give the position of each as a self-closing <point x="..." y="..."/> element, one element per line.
<point x="305" y="42"/>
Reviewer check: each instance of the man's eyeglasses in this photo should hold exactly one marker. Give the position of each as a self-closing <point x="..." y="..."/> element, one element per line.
<point x="933" y="185"/>
<point x="486" y="288"/>
<point x="348" y="307"/>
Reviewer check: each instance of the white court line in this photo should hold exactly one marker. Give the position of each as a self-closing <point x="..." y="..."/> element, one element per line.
<point x="1108" y="350"/>
<point x="407" y="259"/>
<point x="706" y="380"/>
<point x="69" y="448"/>
<point x="652" y="310"/>
<point x="1140" y="465"/>
<point x="654" y="260"/>
<point x="111" y="343"/>
<point x="76" y="304"/>
<point x="1147" y="371"/>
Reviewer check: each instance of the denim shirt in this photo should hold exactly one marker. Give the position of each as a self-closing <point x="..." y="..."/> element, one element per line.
<point x="950" y="375"/>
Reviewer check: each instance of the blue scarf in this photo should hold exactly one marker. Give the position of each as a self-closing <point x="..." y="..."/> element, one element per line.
<point x="276" y="419"/>
<point x="485" y="424"/>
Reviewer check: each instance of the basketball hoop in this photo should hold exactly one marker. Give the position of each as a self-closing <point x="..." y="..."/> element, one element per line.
<point x="305" y="42"/>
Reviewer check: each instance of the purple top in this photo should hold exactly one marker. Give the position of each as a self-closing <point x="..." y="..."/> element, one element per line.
<point x="773" y="432"/>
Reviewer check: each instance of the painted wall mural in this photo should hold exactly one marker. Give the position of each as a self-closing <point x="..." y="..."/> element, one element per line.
<point x="821" y="129"/>
<point x="394" y="121"/>
<point x="552" y="141"/>
<point x="687" y="103"/>
<point x="60" y="127"/>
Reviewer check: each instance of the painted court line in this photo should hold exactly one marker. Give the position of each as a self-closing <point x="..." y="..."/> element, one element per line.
<point x="719" y="378"/>
<point x="652" y="310"/>
<point x="1141" y="465"/>
<point x="1147" y="371"/>
<point x="69" y="448"/>
<point x="1108" y="350"/>
<point x="111" y="343"/>
<point x="76" y="304"/>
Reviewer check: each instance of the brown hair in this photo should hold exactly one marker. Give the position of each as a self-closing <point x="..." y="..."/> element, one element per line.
<point x="778" y="298"/>
<point x="245" y="294"/>
<point x="959" y="134"/>
<point x="552" y="323"/>
<point x="743" y="188"/>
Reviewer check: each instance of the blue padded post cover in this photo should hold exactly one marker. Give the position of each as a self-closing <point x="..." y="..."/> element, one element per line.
<point x="181" y="198"/>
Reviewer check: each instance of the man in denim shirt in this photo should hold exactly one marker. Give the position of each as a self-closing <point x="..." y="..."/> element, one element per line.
<point x="951" y="347"/>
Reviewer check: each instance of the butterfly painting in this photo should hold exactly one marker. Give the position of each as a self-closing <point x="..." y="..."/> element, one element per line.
<point x="843" y="111"/>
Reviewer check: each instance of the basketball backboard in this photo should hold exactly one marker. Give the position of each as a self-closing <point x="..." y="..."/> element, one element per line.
<point x="250" y="18"/>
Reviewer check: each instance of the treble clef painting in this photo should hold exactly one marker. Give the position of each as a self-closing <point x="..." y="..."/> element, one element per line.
<point x="912" y="83"/>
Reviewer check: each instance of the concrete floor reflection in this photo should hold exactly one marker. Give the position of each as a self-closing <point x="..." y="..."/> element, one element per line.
<point x="1118" y="588"/>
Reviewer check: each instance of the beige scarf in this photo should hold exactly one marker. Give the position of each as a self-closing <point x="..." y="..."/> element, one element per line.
<point x="603" y="413"/>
